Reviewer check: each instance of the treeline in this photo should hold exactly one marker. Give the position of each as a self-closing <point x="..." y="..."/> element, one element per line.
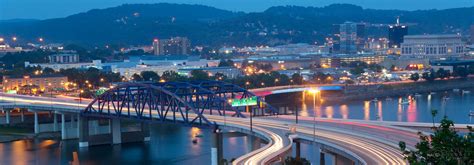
<point x="441" y="73"/>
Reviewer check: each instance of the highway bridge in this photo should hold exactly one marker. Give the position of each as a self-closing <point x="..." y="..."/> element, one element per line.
<point x="209" y="104"/>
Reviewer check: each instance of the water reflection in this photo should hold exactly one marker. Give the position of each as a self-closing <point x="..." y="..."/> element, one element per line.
<point x="417" y="108"/>
<point x="169" y="144"/>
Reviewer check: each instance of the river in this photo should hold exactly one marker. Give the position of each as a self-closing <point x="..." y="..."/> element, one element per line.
<point x="169" y="144"/>
<point x="455" y="105"/>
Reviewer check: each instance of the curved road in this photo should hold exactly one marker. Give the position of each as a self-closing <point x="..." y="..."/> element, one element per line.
<point x="367" y="141"/>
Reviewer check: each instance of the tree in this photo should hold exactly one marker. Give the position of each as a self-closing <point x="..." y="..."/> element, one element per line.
<point x="429" y="76"/>
<point x="48" y="71"/>
<point x="149" y="76"/>
<point x="199" y="75"/>
<point x="137" y="77"/>
<point x="461" y="72"/>
<point x="297" y="79"/>
<point x="357" y="70"/>
<point x="441" y="73"/>
<point x="296" y="161"/>
<point x="415" y="77"/>
<point x="170" y="75"/>
<point x="219" y="77"/>
<point x="444" y="146"/>
<point x="223" y="63"/>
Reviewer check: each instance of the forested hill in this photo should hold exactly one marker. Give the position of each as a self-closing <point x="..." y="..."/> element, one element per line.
<point x="140" y="23"/>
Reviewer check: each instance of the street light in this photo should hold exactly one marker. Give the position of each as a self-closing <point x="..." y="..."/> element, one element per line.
<point x="314" y="92"/>
<point x="51" y="94"/>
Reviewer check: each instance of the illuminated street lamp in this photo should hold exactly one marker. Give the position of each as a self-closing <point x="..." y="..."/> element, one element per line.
<point x="40" y="39"/>
<point x="80" y="95"/>
<point x="315" y="92"/>
<point x="14" y="39"/>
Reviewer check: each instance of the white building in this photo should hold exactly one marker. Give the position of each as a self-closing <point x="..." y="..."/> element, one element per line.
<point x="432" y="46"/>
<point x="64" y="57"/>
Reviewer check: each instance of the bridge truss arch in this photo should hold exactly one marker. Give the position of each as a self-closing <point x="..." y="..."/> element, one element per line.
<point x="160" y="102"/>
<point x="232" y="91"/>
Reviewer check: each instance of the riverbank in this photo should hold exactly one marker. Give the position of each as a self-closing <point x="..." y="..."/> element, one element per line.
<point x="367" y="92"/>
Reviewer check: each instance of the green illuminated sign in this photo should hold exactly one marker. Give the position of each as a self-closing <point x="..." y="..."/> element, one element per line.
<point x="100" y="91"/>
<point x="244" y="101"/>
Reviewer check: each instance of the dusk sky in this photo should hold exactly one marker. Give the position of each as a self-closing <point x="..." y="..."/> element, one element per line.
<point x="42" y="9"/>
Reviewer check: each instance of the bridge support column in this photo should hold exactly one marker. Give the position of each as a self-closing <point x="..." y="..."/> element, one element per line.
<point x="322" y="159"/>
<point x="55" y="122"/>
<point x="72" y="121"/>
<point x="317" y="152"/>
<point x="83" y="130"/>
<point x="7" y="117"/>
<point x="116" y="131"/>
<point x="298" y="150"/>
<point x="145" y="127"/>
<point x="63" y="127"/>
<point x="216" y="148"/>
<point x="37" y="130"/>
<point x="22" y="111"/>
<point x="79" y="124"/>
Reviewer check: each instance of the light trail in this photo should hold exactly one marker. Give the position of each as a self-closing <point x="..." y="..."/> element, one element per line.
<point x="371" y="151"/>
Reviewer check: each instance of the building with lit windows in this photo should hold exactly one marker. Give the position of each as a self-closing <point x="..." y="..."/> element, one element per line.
<point x="433" y="46"/>
<point x="350" y="37"/>
<point x="396" y="33"/>
<point x="64" y="57"/>
<point x="172" y="46"/>
<point x="34" y="84"/>
<point x="336" y="60"/>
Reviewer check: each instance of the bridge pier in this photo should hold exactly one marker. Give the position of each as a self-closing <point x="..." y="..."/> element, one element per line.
<point x="83" y="130"/>
<point x="22" y="115"/>
<point x="63" y="127"/>
<point x="36" y="125"/>
<point x="297" y="150"/>
<point x="55" y="122"/>
<point x="116" y="131"/>
<point x="7" y="117"/>
<point x="145" y="128"/>
<point x="217" y="154"/>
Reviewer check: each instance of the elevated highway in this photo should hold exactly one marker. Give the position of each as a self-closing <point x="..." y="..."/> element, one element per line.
<point x="362" y="142"/>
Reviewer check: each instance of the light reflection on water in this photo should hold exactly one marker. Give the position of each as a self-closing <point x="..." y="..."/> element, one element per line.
<point x="454" y="105"/>
<point x="168" y="145"/>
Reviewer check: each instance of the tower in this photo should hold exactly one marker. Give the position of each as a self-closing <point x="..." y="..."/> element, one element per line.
<point x="396" y="33"/>
<point x="156" y="47"/>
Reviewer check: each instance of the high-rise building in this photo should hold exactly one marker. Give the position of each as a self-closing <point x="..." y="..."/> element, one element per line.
<point x="172" y="46"/>
<point x="472" y="34"/>
<point x="350" y="37"/>
<point x="396" y="33"/>
<point x="156" y="47"/>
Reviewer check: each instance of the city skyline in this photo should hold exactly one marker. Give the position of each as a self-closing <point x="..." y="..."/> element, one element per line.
<point x="30" y="9"/>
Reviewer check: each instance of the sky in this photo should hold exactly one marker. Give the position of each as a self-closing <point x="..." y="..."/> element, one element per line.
<point x="44" y="9"/>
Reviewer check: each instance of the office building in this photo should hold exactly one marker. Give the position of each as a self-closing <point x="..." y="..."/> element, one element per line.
<point x="396" y="33"/>
<point x="433" y="46"/>
<point x="156" y="47"/>
<point x="350" y="37"/>
<point x="172" y="46"/>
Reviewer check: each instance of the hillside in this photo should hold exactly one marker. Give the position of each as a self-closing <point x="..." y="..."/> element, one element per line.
<point x="140" y="23"/>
